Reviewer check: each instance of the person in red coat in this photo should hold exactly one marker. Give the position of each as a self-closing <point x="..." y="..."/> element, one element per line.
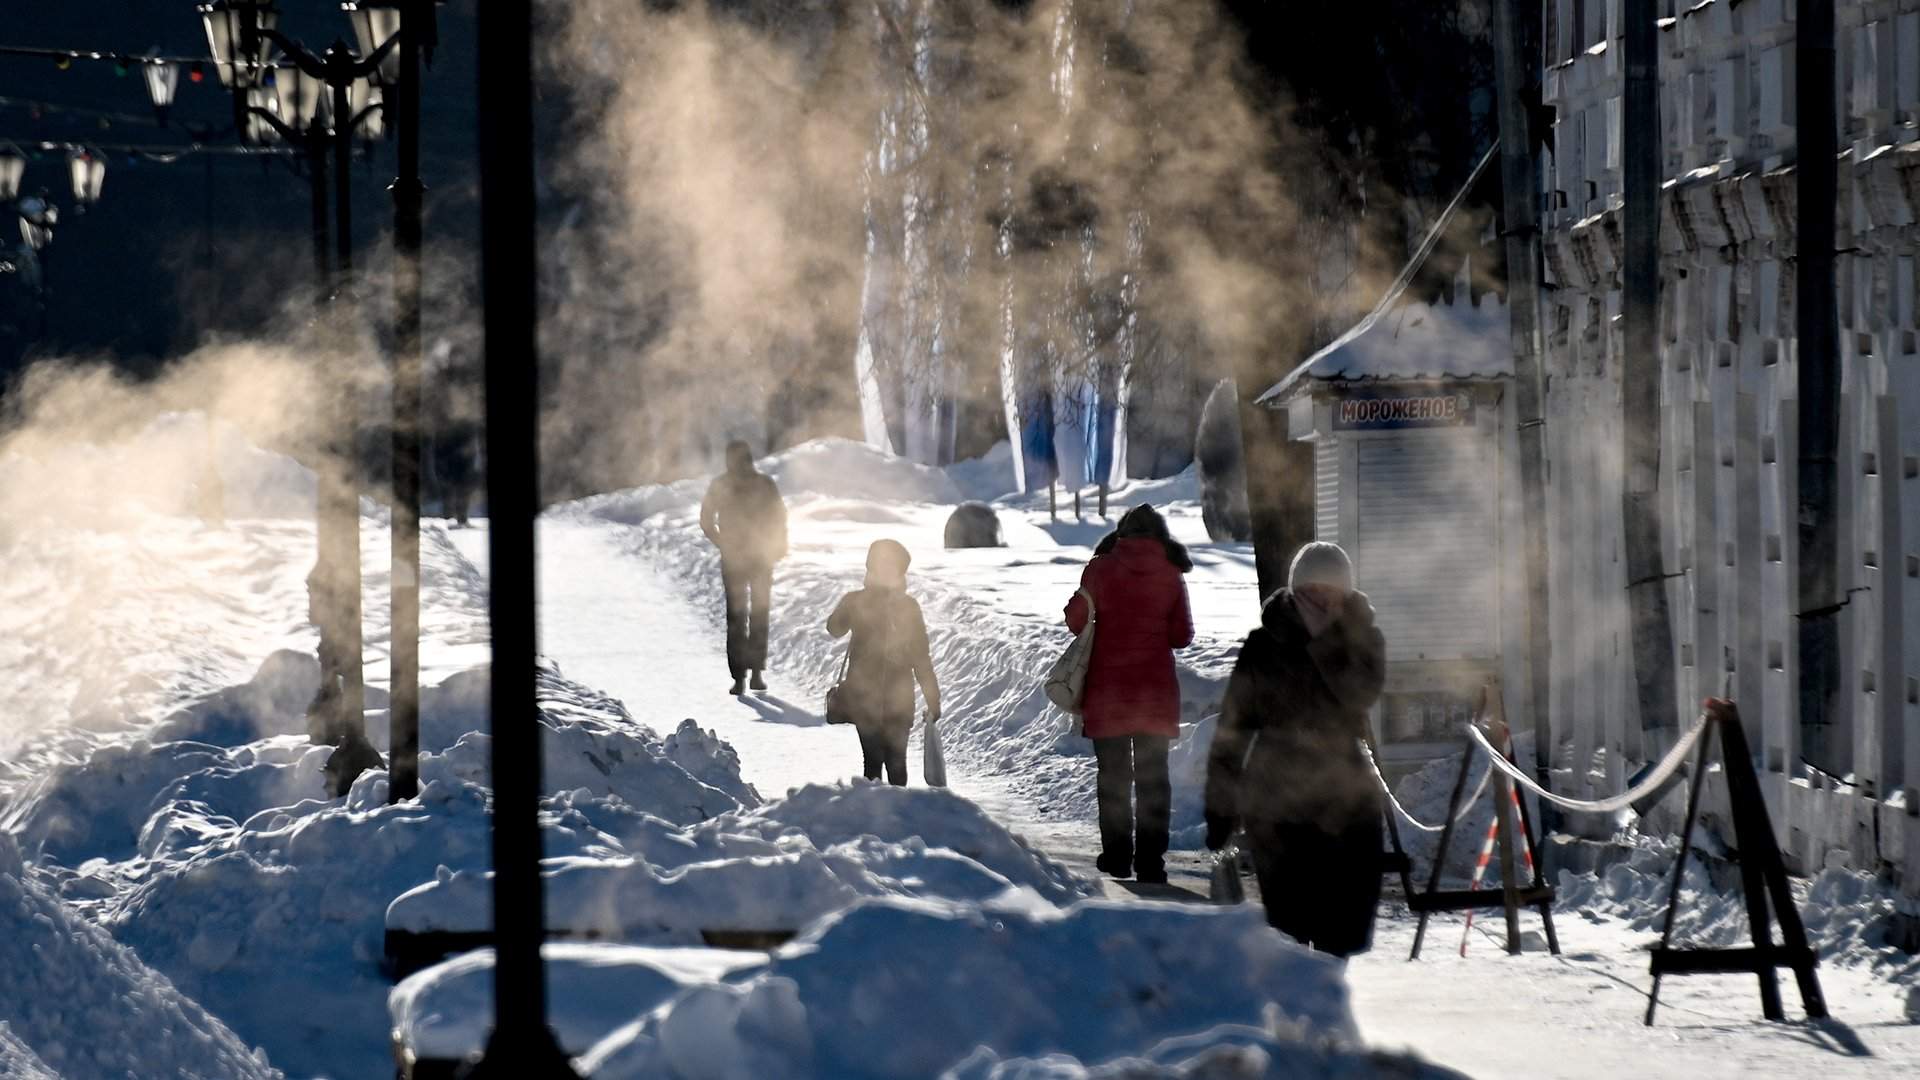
<point x="1131" y="705"/>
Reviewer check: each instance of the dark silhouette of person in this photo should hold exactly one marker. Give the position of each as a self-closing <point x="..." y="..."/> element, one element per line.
<point x="888" y="653"/>
<point x="746" y="519"/>
<point x="1286" y="761"/>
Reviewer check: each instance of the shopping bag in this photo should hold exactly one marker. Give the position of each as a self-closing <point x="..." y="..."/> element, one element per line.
<point x="1067" y="679"/>
<point x="933" y="761"/>
<point x="838" y="703"/>
<point x="1226" y="887"/>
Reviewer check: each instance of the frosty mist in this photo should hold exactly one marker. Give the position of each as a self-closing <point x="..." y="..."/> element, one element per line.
<point x="787" y="206"/>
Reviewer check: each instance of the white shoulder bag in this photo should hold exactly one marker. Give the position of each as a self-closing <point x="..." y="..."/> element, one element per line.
<point x="1067" y="680"/>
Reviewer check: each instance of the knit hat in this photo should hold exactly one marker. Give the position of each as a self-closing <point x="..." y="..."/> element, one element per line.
<point x="887" y="562"/>
<point x="1321" y="563"/>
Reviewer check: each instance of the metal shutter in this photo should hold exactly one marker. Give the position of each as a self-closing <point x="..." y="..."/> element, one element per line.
<point x="1427" y="555"/>
<point x="1326" y="490"/>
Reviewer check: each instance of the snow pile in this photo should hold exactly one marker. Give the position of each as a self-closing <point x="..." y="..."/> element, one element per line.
<point x="75" y="1003"/>
<point x="1847" y="912"/>
<point x="778" y="868"/>
<point x="900" y="987"/>
<point x="446" y="1012"/>
<point x="224" y="866"/>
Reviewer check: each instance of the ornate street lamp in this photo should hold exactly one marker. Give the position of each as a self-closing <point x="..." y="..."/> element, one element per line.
<point x="262" y="108"/>
<point x="235" y="33"/>
<point x="302" y="98"/>
<point x="13" y="166"/>
<point x="376" y="22"/>
<point x="163" y="79"/>
<point x="37" y="219"/>
<point x="88" y="172"/>
<point x="368" y="102"/>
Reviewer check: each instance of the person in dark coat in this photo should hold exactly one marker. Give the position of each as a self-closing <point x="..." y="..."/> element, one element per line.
<point x="887" y="654"/>
<point x="1131" y="705"/>
<point x="744" y="516"/>
<point x="1287" y="762"/>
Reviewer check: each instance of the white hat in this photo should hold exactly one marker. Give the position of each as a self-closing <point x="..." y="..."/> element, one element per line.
<point x="1321" y="563"/>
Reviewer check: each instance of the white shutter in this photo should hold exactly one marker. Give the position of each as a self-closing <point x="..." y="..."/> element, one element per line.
<point x="1426" y="553"/>
<point x="1326" y="490"/>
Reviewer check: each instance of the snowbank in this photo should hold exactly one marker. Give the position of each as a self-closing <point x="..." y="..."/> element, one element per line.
<point x="76" y="1003"/>
<point x="901" y="987"/>
<point x="777" y="868"/>
<point x="1233" y="1051"/>
<point x="222" y="864"/>
<point x="446" y="1012"/>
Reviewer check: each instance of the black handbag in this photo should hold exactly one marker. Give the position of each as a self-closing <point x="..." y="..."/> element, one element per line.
<point x="839" y="698"/>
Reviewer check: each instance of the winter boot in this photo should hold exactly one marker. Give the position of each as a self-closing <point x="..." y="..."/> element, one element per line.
<point x="1118" y="868"/>
<point x="758" y="682"/>
<point x="739" y="687"/>
<point x="1150" y="875"/>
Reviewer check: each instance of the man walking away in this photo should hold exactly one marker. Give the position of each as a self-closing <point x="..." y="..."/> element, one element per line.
<point x="745" y="518"/>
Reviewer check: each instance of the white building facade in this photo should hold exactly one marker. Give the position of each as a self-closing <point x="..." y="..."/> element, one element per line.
<point x="1727" y="100"/>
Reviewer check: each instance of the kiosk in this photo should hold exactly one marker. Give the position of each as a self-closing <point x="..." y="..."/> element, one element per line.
<point x="1414" y="474"/>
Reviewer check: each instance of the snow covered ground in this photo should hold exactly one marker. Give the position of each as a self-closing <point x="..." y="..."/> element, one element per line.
<point x="174" y="848"/>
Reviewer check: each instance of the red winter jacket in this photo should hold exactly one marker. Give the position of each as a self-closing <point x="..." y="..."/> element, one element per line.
<point x="1140" y="605"/>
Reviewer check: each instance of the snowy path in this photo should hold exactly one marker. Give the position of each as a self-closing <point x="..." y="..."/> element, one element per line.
<point x="616" y="625"/>
<point x="1578" y="1015"/>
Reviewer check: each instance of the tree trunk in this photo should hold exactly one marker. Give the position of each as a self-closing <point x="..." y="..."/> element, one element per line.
<point x="1279" y="488"/>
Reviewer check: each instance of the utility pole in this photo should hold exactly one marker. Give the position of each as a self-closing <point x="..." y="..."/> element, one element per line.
<point x="1824" y="741"/>
<point x="1520" y="218"/>
<point x="1649" y="622"/>
<point x="521" y="1045"/>
<point x="403" y="777"/>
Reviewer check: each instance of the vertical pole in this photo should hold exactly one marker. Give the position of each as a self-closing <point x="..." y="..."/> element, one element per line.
<point x="1440" y="849"/>
<point x="404" y="717"/>
<point x="1503" y="822"/>
<point x="333" y="495"/>
<point x="1649" y="622"/>
<point x="355" y="688"/>
<point x="521" y="1044"/>
<point x="1823" y="738"/>
<point x="1520" y="212"/>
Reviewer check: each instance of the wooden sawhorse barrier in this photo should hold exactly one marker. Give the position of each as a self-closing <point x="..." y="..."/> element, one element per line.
<point x="1762" y="874"/>
<point x="1511" y="896"/>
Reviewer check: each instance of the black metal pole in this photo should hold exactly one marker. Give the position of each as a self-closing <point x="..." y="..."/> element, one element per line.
<point x="1520" y="223"/>
<point x="520" y="1045"/>
<point x="355" y="691"/>
<point x="403" y="773"/>
<point x="1650" y="621"/>
<point x="1824" y="741"/>
<point x="334" y="496"/>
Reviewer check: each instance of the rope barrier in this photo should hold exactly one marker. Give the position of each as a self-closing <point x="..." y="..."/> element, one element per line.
<point x="1658" y="777"/>
<point x="1466" y="806"/>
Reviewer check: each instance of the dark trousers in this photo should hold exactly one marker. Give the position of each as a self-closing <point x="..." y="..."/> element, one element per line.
<point x="749" y="588"/>
<point x="1136" y="799"/>
<point x="884" y="746"/>
<point x="1320" y="887"/>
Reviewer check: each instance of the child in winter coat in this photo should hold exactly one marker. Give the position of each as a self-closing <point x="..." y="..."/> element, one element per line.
<point x="887" y="654"/>
<point x="1131" y="704"/>
<point x="1287" y="763"/>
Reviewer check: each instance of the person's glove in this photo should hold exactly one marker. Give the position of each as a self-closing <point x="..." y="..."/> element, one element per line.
<point x="1219" y="832"/>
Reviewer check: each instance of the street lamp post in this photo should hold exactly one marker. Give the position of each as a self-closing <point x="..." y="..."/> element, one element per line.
<point x="521" y="1045"/>
<point x="380" y="24"/>
<point x="241" y="34"/>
